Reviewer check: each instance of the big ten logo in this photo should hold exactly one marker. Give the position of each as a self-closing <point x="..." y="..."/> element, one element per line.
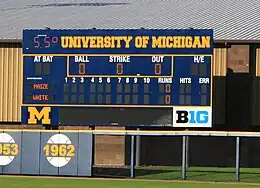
<point x="200" y="117"/>
<point x="8" y="149"/>
<point x="42" y="116"/>
<point x="59" y="150"/>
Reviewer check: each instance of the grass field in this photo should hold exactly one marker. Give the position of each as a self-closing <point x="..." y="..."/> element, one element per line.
<point x="146" y="177"/>
<point x="193" y="173"/>
<point x="32" y="182"/>
<point x="206" y="174"/>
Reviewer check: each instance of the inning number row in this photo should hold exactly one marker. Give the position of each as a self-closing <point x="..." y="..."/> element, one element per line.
<point x="108" y="80"/>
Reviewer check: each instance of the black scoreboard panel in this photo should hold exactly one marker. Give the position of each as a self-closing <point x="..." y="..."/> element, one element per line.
<point x="117" y="77"/>
<point x="116" y="116"/>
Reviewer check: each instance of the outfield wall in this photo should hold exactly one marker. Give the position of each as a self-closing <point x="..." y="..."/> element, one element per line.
<point x="70" y="153"/>
<point x="46" y="153"/>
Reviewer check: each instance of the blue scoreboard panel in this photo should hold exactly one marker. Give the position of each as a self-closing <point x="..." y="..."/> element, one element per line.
<point x="117" y="77"/>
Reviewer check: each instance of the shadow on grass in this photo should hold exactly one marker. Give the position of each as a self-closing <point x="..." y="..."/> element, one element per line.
<point x="174" y="173"/>
<point x="124" y="172"/>
<point x="250" y="176"/>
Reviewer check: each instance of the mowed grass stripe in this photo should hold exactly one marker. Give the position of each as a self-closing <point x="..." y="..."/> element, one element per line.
<point x="48" y="182"/>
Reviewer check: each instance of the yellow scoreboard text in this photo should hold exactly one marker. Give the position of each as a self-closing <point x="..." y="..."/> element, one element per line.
<point x="135" y="42"/>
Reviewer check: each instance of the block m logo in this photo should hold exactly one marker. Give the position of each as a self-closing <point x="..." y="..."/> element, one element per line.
<point x="43" y="116"/>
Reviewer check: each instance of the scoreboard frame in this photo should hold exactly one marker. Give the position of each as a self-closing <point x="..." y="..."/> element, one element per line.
<point x="48" y="114"/>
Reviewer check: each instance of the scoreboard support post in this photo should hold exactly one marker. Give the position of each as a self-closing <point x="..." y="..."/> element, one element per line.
<point x="132" y="162"/>
<point x="187" y="150"/>
<point x="184" y="157"/>
<point x="138" y="149"/>
<point x="238" y="158"/>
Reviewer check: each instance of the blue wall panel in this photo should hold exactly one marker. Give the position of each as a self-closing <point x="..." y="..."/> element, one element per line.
<point x="46" y="168"/>
<point x="72" y="149"/>
<point x="30" y="153"/>
<point x="85" y="154"/>
<point x="13" y="148"/>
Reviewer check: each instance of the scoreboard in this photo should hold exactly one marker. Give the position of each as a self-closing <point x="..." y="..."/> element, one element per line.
<point x="117" y="77"/>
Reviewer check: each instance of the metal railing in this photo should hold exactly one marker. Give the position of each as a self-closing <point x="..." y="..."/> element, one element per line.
<point x="185" y="135"/>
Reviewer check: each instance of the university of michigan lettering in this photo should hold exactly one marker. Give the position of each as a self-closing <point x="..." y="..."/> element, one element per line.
<point x="137" y="42"/>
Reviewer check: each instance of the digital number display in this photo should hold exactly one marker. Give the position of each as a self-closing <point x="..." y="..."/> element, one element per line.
<point x="113" y="74"/>
<point x="43" y="41"/>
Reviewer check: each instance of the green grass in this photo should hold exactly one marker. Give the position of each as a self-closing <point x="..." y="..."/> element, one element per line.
<point x="199" y="173"/>
<point x="193" y="173"/>
<point x="31" y="182"/>
<point x="217" y="176"/>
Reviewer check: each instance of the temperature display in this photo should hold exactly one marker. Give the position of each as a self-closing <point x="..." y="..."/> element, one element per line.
<point x="43" y="41"/>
